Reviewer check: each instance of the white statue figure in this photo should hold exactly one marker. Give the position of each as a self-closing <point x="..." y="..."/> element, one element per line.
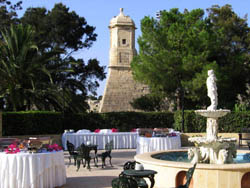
<point x="222" y="156"/>
<point x="212" y="90"/>
<point x="194" y="154"/>
<point x="205" y="152"/>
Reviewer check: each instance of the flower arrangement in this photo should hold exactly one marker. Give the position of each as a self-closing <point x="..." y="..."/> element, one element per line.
<point x="12" y="149"/>
<point x="97" y="130"/>
<point x="54" y="147"/>
<point x="172" y="134"/>
<point x="133" y="130"/>
<point x="114" y="130"/>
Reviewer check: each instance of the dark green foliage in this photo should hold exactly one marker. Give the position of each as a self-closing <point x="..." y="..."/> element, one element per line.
<point x="62" y="82"/>
<point x="34" y="123"/>
<point x="192" y="122"/>
<point x="8" y="13"/>
<point x="148" y="103"/>
<point x="232" y="122"/>
<point x="177" y="50"/>
<point x="125" y="121"/>
<point x="31" y="123"/>
<point x="173" y="55"/>
<point x="231" y="53"/>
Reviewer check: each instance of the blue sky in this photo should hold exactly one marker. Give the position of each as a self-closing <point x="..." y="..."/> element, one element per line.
<point x="99" y="12"/>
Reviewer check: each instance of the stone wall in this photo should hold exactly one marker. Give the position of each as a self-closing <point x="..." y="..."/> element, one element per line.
<point x="120" y="90"/>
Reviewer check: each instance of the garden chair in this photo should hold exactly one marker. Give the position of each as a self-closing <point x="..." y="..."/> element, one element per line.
<point x="83" y="153"/>
<point x="123" y="182"/>
<point x="72" y="152"/>
<point x="189" y="176"/>
<point x="107" y="153"/>
<point x="141" y="183"/>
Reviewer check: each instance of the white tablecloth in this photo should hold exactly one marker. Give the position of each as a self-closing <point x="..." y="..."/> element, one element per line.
<point x="39" y="170"/>
<point x="145" y="144"/>
<point x="122" y="140"/>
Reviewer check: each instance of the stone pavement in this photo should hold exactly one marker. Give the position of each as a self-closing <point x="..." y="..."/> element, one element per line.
<point x="97" y="177"/>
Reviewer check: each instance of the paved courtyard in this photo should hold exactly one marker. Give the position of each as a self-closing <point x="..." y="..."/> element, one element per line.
<point x="97" y="177"/>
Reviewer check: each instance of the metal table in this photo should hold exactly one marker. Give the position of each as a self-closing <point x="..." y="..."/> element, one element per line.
<point x="141" y="174"/>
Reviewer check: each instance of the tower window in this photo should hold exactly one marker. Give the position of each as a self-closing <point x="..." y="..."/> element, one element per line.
<point x="123" y="41"/>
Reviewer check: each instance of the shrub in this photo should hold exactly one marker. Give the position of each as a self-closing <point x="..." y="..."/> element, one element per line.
<point x="232" y="122"/>
<point x="35" y="123"/>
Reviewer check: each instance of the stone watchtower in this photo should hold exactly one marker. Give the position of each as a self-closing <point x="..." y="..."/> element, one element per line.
<point x="121" y="88"/>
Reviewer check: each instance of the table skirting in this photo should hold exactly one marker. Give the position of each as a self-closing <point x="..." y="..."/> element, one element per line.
<point x="38" y="170"/>
<point x="122" y="140"/>
<point x="145" y="144"/>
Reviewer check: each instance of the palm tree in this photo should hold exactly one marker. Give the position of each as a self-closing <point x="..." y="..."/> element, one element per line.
<point x="41" y="79"/>
<point x="20" y="68"/>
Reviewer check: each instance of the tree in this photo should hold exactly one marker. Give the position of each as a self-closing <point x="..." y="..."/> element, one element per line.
<point x="177" y="50"/>
<point x="60" y="28"/>
<point x="58" y="34"/>
<point x="173" y="54"/>
<point x="8" y="13"/>
<point x="231" y="53"/>
<point x="150" y="103"/>
<point x="20" y="67"/>
<point x="65" y="31"/>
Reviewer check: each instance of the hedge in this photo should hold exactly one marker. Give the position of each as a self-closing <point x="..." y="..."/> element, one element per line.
<point x="37" y="122"/>
<point x="34" y="123"/>
<point x="232" y="122"/>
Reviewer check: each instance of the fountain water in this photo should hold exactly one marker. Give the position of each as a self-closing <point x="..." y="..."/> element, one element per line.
<point x="214" y="155"/>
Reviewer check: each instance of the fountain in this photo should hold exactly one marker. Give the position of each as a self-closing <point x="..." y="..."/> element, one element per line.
<point x="211" y="149"/>
<point x="215" y="155"/>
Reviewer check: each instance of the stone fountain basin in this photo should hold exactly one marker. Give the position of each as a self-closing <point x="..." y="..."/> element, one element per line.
<point x="212" y="113"/>
<point x="204" y="140"/>
<point x="170" y="173"/>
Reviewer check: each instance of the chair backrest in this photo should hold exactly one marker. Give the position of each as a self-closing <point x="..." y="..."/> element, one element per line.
<point x="189" y="175"/>
<point x="71" y="147"/>
<point x="130" y="165"/>
<point x="84" y="151"/>
<point x="109" y="146"/>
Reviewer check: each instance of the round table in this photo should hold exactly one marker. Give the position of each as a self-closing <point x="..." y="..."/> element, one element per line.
<point x="38" y="170"/>
<point x="122" y="140"/>
<point x="145" y="144"/>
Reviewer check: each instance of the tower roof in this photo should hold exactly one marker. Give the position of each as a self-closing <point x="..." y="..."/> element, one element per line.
<point x="121" y="19"/>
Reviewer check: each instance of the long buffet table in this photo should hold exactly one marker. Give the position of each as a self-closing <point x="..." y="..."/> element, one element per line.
<point x="38" y="170"/>
<point x="145" y="144"/>
<point x="122" y="140"/>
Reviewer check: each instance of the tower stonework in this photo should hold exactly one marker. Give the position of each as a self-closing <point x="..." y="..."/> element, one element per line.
<point x="121" y="88"/>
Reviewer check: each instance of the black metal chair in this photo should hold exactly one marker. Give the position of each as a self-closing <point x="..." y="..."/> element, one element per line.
<point x="72" y="152"/>
<point x="107" y="153"/>
<point x="141" y="183"/>
<point x="189" y="176"/>
<point x="83" y="153"/>
<point x="124" y="182"/>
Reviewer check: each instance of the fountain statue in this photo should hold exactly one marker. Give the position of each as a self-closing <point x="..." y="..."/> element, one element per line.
<point x="212" y="90"/>
<point x="211" y="149"/>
